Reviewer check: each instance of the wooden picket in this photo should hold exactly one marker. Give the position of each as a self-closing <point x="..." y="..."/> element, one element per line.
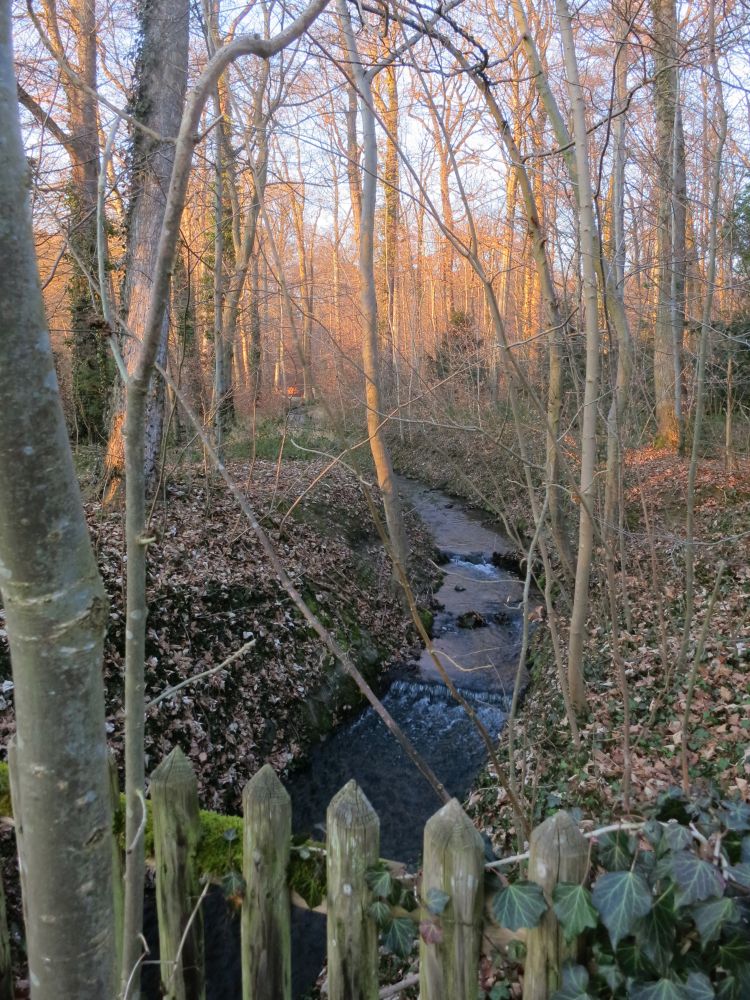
<point x="453" y="873"/>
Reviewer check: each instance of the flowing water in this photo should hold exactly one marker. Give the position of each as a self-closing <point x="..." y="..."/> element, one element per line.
<point x="480" y="660"/>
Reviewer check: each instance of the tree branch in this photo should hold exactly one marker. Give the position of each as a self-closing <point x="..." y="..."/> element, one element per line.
<point x="44" y="118"/>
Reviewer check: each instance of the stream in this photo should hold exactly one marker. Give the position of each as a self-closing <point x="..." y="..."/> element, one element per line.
<point x="477" y="637"/>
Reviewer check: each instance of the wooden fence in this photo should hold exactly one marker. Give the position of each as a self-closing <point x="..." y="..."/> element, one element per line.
<point x="453" y="871"/>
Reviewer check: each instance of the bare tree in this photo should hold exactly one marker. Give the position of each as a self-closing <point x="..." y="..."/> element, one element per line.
<point x="90" y="358"/>
<point x="56" y="614"/>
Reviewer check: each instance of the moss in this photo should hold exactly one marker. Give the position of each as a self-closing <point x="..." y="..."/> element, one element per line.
<point x="219" y="850"/>
<point x="220" y="847"/>
<point x="427" y="618"/>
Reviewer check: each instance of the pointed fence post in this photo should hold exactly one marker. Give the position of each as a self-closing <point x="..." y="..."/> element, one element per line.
<point x="174" y="798"/>
<point x="558" y="852"/>
<point x="453" y="868"/>
<point x="353" y="846"/>
<point x="266" y="942"/>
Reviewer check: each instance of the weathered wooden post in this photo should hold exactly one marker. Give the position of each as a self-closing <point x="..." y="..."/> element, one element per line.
<point x="353" y="845"/>
<point x="266" y="946"/>
<point x="453" y="868"/>
<point x="558" y="853"/>
<point x="174" y="797"/>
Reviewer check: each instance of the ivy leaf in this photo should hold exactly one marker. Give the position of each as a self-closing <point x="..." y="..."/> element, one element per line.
<point x="616" y="850"/>
<point x="664" y="989"/>
<point x="573" y="908"/>
<point x="656" y="932"/>
<point x="575" y="980"/>
<point x="646" y="864"/>
<point x="380" y="881"/>
<point x="710" y="917"/>
<point x="696" y="879"/>
<point x="233" y="885"/>
<point x="745" y="850"/>
<point x="741" y="874"/>
<point x="500" y="991"/>
<point x="621" y="898"/>
<point x="679" y="838"/>
<point x="380" y="912"/>
<point x="521" y="904"/>
<point x="436" y="901"/>
<point x="698" y="987"/>
<point x="632" y="961"/>
<point x="611" y="976"/>
<point x="735" y="815"/>
<point x="431" y="932"/>
<point x="735" y="986"/>
<point x="653" y="831"/>
<point x="735" y="953"/>
<point x="398" y="936"/>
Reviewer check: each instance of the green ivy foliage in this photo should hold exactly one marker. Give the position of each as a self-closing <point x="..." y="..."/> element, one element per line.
<point x="668" y="913"/>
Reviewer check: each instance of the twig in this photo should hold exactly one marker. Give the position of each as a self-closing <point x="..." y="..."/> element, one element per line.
<point x="396" y="988"/>
<point x="185" y="933"/>
<point x="199" y="677"/>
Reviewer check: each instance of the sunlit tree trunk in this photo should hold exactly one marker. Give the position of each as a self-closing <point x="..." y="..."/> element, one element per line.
<point x="589" y="251"/>
<point x="56" y="615"/>
<point x="666" y="348"/>
<point x="161" y="84"/>
<point x="370" y="350"/>
<point x="89" y="351"/>
<point x="387" y="104"/>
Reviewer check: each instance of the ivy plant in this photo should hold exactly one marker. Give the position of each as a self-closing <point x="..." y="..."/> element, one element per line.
<point x="667" y="916"/>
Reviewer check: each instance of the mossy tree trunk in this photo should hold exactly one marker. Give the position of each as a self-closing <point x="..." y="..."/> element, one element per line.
<point x="92" y="366"/>
<point x="158" y="105"/>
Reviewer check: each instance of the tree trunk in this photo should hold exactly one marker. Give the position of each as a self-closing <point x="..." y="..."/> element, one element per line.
<point x="56" y="615"/>
<point x="666" y="361"/>
<point x="159" y="102"/>
<point x="388" y="110"/>
<point x="370" y="353"/>
<point x="589" y="253"/>
<point x="90" y="359"/>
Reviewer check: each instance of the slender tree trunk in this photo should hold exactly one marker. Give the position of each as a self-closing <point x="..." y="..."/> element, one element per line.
<point x="589" y="253"/>
<point x="222" y="374"/>
<point x="256" y="369"/>
<point x="715" y="171"/>
<point x="56" y="616"/>
<point x="370" y="352"/>
<point x="388" y="109"/>
<point x="665" y="102"/>
<point x="679" y="263"/>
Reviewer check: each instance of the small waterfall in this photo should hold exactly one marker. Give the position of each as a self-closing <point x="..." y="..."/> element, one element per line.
<point x="439" y="694"/>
